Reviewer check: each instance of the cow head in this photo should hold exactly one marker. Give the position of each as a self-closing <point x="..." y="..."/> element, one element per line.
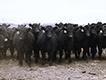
<point x="93" y="30"/>
<point x="35" y="27"/>
<point x="3" y="30"/>
<point x="23" y="33"/>
<point x="48" y="30"/>
<point x="87" y="30"/>
<point x="104" y="30"/>
<point x="69" y="30"/>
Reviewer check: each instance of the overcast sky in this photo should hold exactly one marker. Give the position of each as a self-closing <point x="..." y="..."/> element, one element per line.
<point x="48" y="11"/>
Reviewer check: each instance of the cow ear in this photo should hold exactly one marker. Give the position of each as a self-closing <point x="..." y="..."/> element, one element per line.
<point x="65" y="24"/>
<point x="7" y="26"/>
<point x="54" y="28"/>
<point x="19" y="26"/>
<point x="56" y="24"/>
<point x="30" y="25"/>
<point x="43" y="28"/>
<point x="39" y="24"/>
<point x="24" y="25"/>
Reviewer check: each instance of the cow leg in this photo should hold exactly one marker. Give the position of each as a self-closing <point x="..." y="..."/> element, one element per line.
<point x="12" y="51"/>
<point x="66" y="55"/>
<point x="5" y="53"/>
<point x="26" y="59"/>
<point x="36" y="54"/>
<point x="51" y="54"/>
<point x="93" y="51"/>
<point x="84" y="54"/>
<point x="21" y="54"/>
<point x="79" y="51"/>
<point x="69" y="55"/>
<point x="43" y="57"/>
<point x="100" y="52"/>
<point x="88" y="51"/>
<point x="75" y="51"/>
<point x="0" y="54"/>
<point x="29" y="58"/>
<point x="17" y="56"/>
<point x="50" y="59"/>
<point x="54" y="55"/>
<point x="61" y="54"/>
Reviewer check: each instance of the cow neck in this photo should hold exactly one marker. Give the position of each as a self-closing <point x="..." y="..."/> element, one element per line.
<point x="35" y="35"/>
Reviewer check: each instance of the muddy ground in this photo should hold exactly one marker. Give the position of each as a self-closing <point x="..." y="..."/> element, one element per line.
<point x="77" y="70"/>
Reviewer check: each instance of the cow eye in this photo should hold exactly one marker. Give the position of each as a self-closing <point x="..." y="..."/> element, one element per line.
<point x="5" y="39"/>
<point x="43" y="31"/>
<point x="18" y="32"/>
<point x="82" y="30"/>
<point x="101" y="31"/>
<point x="65" y="31"/>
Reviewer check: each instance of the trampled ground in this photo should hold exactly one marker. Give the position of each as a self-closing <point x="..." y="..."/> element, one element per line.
<point x="77" y="70"/>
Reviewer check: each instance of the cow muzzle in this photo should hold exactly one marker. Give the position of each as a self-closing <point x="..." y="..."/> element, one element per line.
<point x="20" y="38"/>
<point x="104" y="34"/>
<point x="70" y="36"/>
<point x="49" y="36"/>
<point x="88" y="35"/>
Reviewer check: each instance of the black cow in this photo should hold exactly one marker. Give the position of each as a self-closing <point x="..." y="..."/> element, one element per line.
<point x="3" y="45"/>
<point x="47" y="42"/>
<point x="93" y="40"/>
<point x="35" y="30"/>
<point x="81" y="38"/>
<point x="101" y="39"/>
<point x="66" y="42"/>
<point x="23" y="43"/>
<point x="11" y="32"/>
<point x="3" y="31"/>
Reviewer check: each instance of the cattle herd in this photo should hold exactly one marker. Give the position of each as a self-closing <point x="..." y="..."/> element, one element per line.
<point x="63" y="38"/>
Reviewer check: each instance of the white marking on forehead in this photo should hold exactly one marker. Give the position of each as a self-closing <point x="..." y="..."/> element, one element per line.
<point x="18" y="32"/>
<point x="65" y="31"/>
<point x="82" y="30"/>
<point x="101" y="31"/>
<point x="43" y="31"/>
<point x="5" y="39"/>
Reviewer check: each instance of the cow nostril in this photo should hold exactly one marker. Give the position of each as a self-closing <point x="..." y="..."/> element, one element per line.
<point x="88" y="34"/>
<point x="104" y="34"/>
<point x="49" y="36"/>
<point x="71" y="36"/>
<point x="37" y="30"/>
<point x="20" y="38"/>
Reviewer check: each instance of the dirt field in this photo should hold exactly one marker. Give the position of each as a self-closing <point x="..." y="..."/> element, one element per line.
<point x="77" y="70"/>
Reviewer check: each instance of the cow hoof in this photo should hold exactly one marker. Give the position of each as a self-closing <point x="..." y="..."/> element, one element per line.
<point x="26" y="61"/>
<point x="50" y="64"/>
<point x="20" y="64"/>
<point x="36" y="61"/>
<point x="78" y="59"/>
<point x="88" y="54"/>
<point x="43" y="64"/>
<point x="69" y="60"/>
<point x="29" y="65"/>
<point x="59" y="62"/>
